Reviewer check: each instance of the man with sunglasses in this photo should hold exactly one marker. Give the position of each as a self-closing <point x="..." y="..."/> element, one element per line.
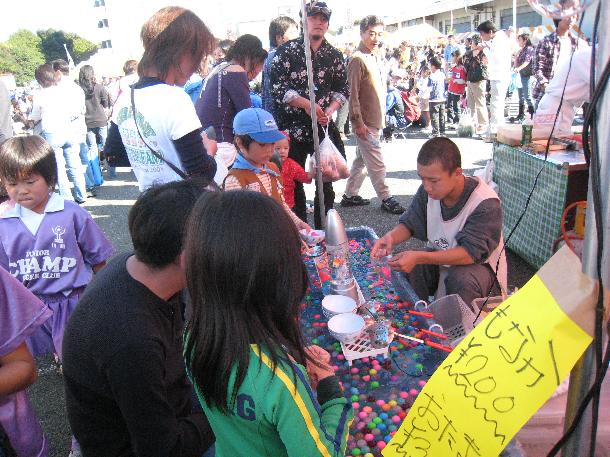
<point x="290" y="91"/>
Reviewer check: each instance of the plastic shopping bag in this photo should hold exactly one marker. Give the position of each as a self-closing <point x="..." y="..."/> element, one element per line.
<point x="332" y="163"/>
<point x="466" y="124"/>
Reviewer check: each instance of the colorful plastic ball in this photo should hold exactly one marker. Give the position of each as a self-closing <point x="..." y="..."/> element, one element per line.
<point x="356" y="405"/>
<point x="372" y="372"/>
<point x="377" y="420"/>
<point x="367" y="409"/>
<point x="361" y="443"/>
<point x="380" y="402"/>
<point x="381" y="426"/>
<point x="356" y="451"/>
<point x="404" y="394"/>
<point x="414" y="392"/>
<point x="363" y="414"/>
<point x="371" y="425"/>
<point x="368" y="454"/>
<point x="374" y="384"/>
<point x="421" y="383"/>
<point x="381" y="444"/>
<point x="368" y="437"/>
<point x="383" y="416"/>
<point x="387" y="438"/>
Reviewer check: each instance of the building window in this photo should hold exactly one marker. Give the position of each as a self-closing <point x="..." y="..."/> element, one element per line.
<point x="391" y="28"/>
<point x="526" y="17"/>
<point x="99" y="3"/>
<point x="103" y="23"/>
<point x="106" y="44"/>
<point x="404" y="24"/>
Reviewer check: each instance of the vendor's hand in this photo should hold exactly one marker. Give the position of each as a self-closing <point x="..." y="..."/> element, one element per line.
<point x="382" y="247"/>
<point x="211" y="146"/>
<point x="317" y="365"/>
<point x="362" y="131"/>
<point x="303" y="226"/>
<point x="405" y="261"/>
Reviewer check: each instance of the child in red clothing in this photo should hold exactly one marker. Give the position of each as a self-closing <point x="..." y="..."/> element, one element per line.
<point x="456" y="88"/>
<point x="291" y="170"/>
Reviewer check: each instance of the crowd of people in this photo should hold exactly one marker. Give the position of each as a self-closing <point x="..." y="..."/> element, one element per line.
<point x="223" y="370"/>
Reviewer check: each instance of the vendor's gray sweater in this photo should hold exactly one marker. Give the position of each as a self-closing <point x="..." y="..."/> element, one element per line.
<point x="481" y="233"/>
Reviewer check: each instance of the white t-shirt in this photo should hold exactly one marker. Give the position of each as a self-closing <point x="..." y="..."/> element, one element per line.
<point x="565" y="50"/>
<point x="165" y="113"/>
<point x="50" y="108"/>
<point x="498" y="52"/>
<point x="74" y="97"/>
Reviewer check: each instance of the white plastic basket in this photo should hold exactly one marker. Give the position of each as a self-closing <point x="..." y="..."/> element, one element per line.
<point x="451" y="313"/>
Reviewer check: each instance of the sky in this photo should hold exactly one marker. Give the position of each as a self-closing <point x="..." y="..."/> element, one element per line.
<point x="78" y="16"/>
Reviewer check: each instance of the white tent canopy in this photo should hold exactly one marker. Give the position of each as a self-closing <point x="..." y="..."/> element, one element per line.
<point x="416" y="34"/>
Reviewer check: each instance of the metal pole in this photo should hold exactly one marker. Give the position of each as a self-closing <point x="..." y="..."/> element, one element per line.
<point x="314" y="116"/>
<point x="515" y="17"/>
<point x="584" y="372"/>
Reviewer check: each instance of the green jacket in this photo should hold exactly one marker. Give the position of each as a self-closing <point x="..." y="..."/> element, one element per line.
<point x="275" y="417"/>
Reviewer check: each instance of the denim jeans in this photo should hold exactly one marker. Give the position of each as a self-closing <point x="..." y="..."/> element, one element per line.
<point x="84" y="158"/>
<point x="69" y="166"/>
<point x="525" y="93"/>
<point x="97" y="136"/>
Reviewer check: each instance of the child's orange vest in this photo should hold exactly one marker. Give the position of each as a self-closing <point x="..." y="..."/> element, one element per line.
<point x="247" y="177"/>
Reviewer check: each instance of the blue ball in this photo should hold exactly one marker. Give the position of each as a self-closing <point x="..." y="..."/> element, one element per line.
<point x="383" y="416"/>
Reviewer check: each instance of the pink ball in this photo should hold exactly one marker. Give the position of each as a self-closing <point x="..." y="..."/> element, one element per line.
<point x="363" y="414"/>
<point x="394" y="378"/>
<point x="354" y="370"/>
<point x="381" y="444"/>
<point x="367" y="409"/>
<point x="365" y="360"/>
<point x="340" y="357"/>
<point x="404" y="394"/>
<point x="360" y="425"/>
<point x="395" y="419"/>
<point x="369" y="437"/>
<point x="414" y="392"/>
<point x="380" y="402"/>
<point x="356" y="405"/>
<point x="421" y="383"/>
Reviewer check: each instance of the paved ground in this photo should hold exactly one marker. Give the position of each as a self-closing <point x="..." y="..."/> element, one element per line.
<point x="114" y="199"/>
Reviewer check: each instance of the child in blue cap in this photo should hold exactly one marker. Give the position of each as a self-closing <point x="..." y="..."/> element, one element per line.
<point x="255" y="136"/>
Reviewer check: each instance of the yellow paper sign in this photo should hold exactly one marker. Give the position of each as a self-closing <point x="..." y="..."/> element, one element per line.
<point x="494" y="380"/>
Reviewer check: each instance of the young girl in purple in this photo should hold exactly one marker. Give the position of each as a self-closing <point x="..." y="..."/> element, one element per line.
<point x="21" y="313"/>
<point x="52" y="246"/>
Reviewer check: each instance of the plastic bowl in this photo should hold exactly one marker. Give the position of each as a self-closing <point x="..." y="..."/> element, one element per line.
<point x="337" y="304"/>
<point x="346" y="327"/>
<point x="312" y="237"/>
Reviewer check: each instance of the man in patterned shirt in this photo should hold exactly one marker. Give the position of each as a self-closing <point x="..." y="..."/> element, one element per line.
<point x="290" y="90"/>
<point x="552" y="50"/>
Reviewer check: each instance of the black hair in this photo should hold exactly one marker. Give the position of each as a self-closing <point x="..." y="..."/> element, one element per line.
<point x="130" y="67"/>
<point x="526" y="37"/>
<point x="278" y="27"/>
<point x="486" y="27"/>
<point x="45" y="75"/>
<point x="435" y="62"/>
<point x="86" y="79"/>
<point x="246" y="51"/>
<point x="225" y="44"/>
<point x="476" y="39"/>
<point x="22" y="155"/>
<point x="61" y="65"/>
<point x="157" y="221"/>
<point x="396" y="53"/>
<point x="246" y="287"/>
<point x="441" y="150"/>
<point x="370" y="21"/>
<point x="556" y="22"/>
<point x="246" y="140"/>
<point x="457" y="53"/>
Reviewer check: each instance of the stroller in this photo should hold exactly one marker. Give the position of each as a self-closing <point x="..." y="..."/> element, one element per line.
<point x="396" y="123"/>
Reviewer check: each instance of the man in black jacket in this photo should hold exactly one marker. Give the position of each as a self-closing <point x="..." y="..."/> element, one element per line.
<point x="127" y="391"/>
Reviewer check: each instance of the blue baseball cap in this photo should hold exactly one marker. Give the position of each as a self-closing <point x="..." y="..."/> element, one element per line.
<point x="258" y="124"/>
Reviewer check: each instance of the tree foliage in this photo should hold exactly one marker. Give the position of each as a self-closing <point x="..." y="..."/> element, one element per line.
<point x="52" y="45"/>
<point x="24" y="51"/>
<point x="20" y="55"/>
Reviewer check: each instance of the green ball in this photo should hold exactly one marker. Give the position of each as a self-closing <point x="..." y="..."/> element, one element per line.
<point x="314" y="341"/>
<point x="356" y="451"/>
<point x="374" y="384"/>
<point x="371" y="425"/>
<point x="355" y="398"/>
<point x="377" y="420"/>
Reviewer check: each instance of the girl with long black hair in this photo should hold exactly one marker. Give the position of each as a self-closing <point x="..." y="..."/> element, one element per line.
<point x="244" y="347"/>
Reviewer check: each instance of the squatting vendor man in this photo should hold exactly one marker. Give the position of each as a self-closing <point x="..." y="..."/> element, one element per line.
<point x="460" y="218"/>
